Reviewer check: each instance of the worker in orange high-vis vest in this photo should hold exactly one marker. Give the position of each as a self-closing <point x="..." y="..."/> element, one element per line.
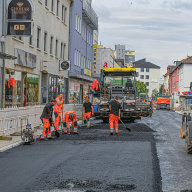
<point x="70" y="116"/>
<point x="88" y="111"/>
<point x="58" y="108"/>
<point x="115" y="115"/>
<point x="46" y="118"/>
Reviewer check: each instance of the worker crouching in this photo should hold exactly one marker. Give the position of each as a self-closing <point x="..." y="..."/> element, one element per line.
<point x="46" y="117"/>
<point x="70" y="117"/>
<point x="115" y="114"/>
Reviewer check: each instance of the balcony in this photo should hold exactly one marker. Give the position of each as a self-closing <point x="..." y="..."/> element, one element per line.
<point x="89" y="15"/>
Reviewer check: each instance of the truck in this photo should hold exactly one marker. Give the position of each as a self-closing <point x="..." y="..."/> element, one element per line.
<point x="163" y="102"/>
<point x="120" y="82"/>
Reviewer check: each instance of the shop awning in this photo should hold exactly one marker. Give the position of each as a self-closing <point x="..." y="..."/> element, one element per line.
<point x="79" y="76"/>
<point x="7" y="56"/>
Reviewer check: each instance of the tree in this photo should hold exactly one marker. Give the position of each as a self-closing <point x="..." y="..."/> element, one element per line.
<point x="141" y="88"/>
<point x="161" y="90"/>
<point x="155" y="93"/>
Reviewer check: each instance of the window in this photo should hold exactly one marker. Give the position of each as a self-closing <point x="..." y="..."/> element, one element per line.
<point x="80" y="23"/>
<point x="147" y="76"/>
<point x="141" y="76"/>
<point x="52" y="5"/>
<point x="46" y="3"/>
<point x="75" y="57"/>
<point x="30" y="40"/>
<point x="38" y="37"/>
<point x="45" y="41"/>
<point x="64" y="48"/>
<point x="51" y="45"/>
<point x="57" y="8"/>
<point x="147" y="83"/>
<point x="142" y="69"/>
<point x="147" y="70"/>
<point x="64" y="13"/>
<point x="56" y="48"/>
<point x="61" y="53"/>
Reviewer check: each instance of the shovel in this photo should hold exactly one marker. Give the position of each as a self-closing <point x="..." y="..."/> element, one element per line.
<point x="125" y="125"/>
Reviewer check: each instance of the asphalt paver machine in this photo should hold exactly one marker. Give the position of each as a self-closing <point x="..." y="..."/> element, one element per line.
<point x="120" y="82"/>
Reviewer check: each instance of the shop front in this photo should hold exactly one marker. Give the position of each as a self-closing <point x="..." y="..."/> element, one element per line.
<point x="21" y="88"/>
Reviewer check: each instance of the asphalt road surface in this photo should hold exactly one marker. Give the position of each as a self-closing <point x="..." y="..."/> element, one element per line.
<point x="94" y="161"/>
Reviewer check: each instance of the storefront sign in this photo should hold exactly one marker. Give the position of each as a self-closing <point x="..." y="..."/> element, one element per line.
<point x="64" y="65"/>
<point x="19" y="18"/>
<point x="11" y="83"/>
<point x="19" y="28"/>
<point x="105" y="65"/>
<point x="87" y="72"/>
<point x="25" y="59"/>
<point x="19" y="10"/>
<point x="95" y="59"/>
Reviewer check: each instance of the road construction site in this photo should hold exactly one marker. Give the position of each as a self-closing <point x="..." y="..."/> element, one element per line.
<point x="151" y="158"/>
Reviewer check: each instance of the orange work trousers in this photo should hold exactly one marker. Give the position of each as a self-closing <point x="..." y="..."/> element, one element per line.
<point x="86" y="118"/>
<point x="47" y="129"/>
<point x="57" y="119"/>
<point x="66" y="125"/>
<point x="113" y="122"/>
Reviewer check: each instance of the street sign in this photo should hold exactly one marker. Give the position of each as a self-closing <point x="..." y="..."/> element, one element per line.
<point x="19" y="28"/>
<point x="19" y="18"/>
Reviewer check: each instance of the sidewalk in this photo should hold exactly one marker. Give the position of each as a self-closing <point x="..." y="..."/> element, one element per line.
<point x="16" y="140"/>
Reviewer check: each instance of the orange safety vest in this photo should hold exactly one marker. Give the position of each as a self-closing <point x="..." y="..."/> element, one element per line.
<point x="95" y="85"/>
<point x="59" y="105"/>
<point x="67" y="116"/>
<point x="11" y="82"/>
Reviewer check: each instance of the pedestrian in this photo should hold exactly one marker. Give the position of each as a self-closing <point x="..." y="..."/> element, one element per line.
<point x="115" y="115"/>
<point x="88" y="111"/>
<point x="70" y="116"/>
<point x="47" y="119"/>
<point x="58" y="108"/>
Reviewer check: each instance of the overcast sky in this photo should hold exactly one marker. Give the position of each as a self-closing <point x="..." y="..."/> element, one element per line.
<point x="158" y="30"/>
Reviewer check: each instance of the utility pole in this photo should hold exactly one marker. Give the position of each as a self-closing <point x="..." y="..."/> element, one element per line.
<point x="4" y="3"/>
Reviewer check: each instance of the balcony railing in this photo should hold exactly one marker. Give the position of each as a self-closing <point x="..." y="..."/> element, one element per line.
<point x="89" y="15"/>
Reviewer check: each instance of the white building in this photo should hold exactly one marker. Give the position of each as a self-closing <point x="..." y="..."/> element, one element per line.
<point x="105" y="59"/>
<point x="149" y="74"/>
<point x="185" y="77"/>
<point x="35" y="73"/>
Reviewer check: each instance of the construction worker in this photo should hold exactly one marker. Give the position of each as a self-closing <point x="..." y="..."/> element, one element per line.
<point x="88" y="111"/>
<point x="115" y="114"/>
<point x="70" y="116"/>
<point x="58" y="108"/>
<point x="46" y="117"/>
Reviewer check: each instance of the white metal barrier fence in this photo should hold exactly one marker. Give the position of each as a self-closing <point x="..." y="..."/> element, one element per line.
<point x="12" y="119"/>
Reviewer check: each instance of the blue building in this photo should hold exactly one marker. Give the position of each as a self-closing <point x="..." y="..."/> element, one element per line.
<point x="83" y="22"/>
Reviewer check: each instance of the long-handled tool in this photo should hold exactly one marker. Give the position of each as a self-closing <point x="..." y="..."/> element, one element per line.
<point x="125" y="125"/>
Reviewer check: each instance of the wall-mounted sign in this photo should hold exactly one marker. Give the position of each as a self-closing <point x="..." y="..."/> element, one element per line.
<point x="19" y="28"/>
<point x="19" y="10"/>
<point x="95" y="59"/>
<point x="25" y="59"/>
<point x="105" y="65"/>
<point x="19" y="18"/>
<point x="64" y="65"/>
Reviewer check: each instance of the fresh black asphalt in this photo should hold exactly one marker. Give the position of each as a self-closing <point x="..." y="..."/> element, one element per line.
<point x="92" y="161"/>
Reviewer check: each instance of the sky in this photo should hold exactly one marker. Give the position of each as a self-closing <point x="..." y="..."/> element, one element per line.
<point x="158" y="30"/>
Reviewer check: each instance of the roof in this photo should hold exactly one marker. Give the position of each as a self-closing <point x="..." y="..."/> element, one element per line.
<point x="144" y="64"/>
<point x="187" y="60"/>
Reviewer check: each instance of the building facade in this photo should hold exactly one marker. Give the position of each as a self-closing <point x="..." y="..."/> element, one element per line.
<point x="120" y="51"/>
<point x="34" y="77"/>
<point x="180" y="79"/>
<point x="83" y="23"/>
<point x="149" y="74"/>
<point x="129" y="58"/>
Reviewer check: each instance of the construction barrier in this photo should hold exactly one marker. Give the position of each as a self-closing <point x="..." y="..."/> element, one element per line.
<point x="13" y="119"/>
